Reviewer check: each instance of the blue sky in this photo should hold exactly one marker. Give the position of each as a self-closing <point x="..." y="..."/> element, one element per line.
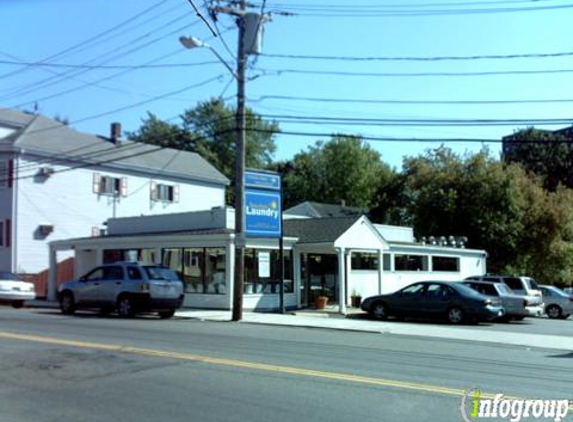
<point x="37" y="30"/>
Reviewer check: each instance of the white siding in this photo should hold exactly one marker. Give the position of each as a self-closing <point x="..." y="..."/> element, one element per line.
<point x="67" y="200"/>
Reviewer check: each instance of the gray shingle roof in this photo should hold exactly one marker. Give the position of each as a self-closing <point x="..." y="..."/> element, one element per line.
<point x="318" y="230"/>
<point x="320" y="210"/>
<point x="48" y="137"/>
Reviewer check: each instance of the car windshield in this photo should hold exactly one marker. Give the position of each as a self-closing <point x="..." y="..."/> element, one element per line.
<point x="160" y="273"/>
<point x="514" y="283"/>
<point x="4" y="275"/>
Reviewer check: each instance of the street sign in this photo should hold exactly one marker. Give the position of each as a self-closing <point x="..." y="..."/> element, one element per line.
<point x="263" y="213"/>
<point x="262" y="180"/>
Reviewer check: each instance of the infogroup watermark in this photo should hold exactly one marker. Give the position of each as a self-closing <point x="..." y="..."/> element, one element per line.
<point x="475" y="407"/>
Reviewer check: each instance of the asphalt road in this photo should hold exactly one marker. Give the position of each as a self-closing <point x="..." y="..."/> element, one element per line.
<point x="90" y="368"/>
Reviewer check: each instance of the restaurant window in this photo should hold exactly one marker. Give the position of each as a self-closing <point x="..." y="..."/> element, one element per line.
<point x="410" y="263"/>
<point x="445" y="263"/>
<point x="364" y="261"/>
<point x="387" y="262"/>
<point x="203" y="270"/>
<point x="262" y="271"/>
<point x="144" y="256"/>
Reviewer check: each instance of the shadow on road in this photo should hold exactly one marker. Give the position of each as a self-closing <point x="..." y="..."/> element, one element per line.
<point x="564" y="355"/>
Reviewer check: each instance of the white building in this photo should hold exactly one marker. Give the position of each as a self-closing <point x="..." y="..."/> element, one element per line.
<point x="334" y="257"/>
<point x="57" y="183"/>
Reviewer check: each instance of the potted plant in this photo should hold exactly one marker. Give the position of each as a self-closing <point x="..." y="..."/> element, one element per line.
<point x="355" y="299"/>
<point x="320" y="302"/>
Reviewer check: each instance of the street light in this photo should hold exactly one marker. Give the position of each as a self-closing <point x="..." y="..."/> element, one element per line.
<point x="239" y="75"/>
<point x="193" y="42"/>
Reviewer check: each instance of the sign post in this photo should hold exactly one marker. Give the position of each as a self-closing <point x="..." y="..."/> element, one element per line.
<point x="263" y="212"/>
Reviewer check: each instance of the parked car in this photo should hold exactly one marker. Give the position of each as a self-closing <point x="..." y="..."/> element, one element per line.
<point x="558" y="303"/>
<point x="126" y="287"/>
<point x="516" y="306"/>
<point x="15" y="291"/>
<point x="454" y="301"/>
<point x="525" y="286"/>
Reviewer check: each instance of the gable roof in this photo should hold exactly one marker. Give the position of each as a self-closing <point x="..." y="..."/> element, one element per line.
<point x="320" y="210"/>
<point x="317" y="230"/>
<point x="46" y="137"/>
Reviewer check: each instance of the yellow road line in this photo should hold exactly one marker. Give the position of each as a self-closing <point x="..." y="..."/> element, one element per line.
<point x="429" y="388"/>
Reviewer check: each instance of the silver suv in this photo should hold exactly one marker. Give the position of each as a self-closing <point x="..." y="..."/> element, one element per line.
<point x="128" y="287"/>
<point x="523" y="286"/>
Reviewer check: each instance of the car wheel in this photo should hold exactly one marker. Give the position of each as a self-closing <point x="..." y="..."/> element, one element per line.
<point x="379" y="311"/>
<point x="455" y="315"/>
<point x="554" y="312"/>
<point x="167" y="314"/>
<point x="18" y="304"/>
<point x="67" y="303"/>
<point x="125" y="307"/>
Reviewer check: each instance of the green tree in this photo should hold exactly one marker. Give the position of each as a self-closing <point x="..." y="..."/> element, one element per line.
<point x="500" y="208"/>
<point x="343" y="169"/>
<point x="547" y="154"/>
<point x="209" y="130"/>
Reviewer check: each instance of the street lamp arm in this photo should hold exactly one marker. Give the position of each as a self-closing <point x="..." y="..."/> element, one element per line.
<point x="192" y="42"/>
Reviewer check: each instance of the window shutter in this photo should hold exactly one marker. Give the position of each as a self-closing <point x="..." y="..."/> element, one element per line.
<point x="176" y="193"/>
<point x="8" y="233"/>
<point x="153" y="190"/>
<point x="124" y="186"/>
<point x="10" y="173"/>
<point x="97" y="183"/>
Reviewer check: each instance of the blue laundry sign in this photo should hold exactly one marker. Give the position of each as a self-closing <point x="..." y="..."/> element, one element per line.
<point x="262" y="180"/>
<point x="263" y="213"/>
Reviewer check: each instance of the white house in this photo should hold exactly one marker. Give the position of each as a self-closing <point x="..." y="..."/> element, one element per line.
<point x="333" y="256"/>
<point x="58" y="183"/>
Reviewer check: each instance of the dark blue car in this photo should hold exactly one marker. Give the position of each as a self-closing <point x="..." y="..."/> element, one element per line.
<point x="435" y="299"/>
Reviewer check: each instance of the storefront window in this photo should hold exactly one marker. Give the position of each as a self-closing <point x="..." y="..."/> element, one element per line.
<point x="262" y="271"/>
<point x="145" y="256"/>
<point x="410" y="263"/>
<point x="202" y="269"/>
<point x="364" y="261"/>
<point x="445" y="263"/>
<point x="387" y="258"/>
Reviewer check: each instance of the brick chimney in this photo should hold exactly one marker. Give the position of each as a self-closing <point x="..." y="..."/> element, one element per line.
<point x="115" y="132"/>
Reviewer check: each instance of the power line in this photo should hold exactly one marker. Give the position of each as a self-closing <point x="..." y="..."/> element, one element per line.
<point x="105" y="67"/>
<point x="422" y="58"/>
<point x="280" y="72"/>
<point x="400" y="5"/>
<point x="50" y="81"/>
<point x="94" y="38"/>
<point x="418" y="13"/>
<point x="387" y="101"/>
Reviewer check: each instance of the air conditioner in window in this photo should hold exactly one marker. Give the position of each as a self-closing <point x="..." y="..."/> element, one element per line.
<point x="46" y="228"/>
<point x="46" y="171"/>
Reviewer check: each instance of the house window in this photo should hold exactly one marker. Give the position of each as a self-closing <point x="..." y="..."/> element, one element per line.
<point x="164" y="193"/>
<point x="108" y="185"/>
<point x="410" y="263"/>
<point x="364" y="261"/>
<point x="445" y="263"/>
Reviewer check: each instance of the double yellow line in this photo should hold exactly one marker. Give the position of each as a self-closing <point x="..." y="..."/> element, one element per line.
<point x="279" y="369"/>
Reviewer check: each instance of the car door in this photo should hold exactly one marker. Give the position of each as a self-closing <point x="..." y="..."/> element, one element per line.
<point x="86" y="293"/>
<point x="436" y="299"/>
<point x="407" y="301"/>
<point x="111" y="285"/>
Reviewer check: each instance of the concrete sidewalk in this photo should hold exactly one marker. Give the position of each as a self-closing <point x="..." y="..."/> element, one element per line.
<point x="334" y="321"/>
<point x="338" y="322"/>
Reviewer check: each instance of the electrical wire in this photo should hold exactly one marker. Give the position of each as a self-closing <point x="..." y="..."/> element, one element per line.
<point x="90" y="40"/>
<point x="405" y="102"/>
<point x="280" y="72"/>
<point x="422" y="58"/>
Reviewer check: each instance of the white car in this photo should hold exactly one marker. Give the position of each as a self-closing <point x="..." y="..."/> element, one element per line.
<point x="558" y="304"/>
<point x="15" y="291"/>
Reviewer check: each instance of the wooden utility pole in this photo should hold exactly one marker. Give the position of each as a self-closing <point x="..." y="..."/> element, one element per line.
<point x="240" y="170"/>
